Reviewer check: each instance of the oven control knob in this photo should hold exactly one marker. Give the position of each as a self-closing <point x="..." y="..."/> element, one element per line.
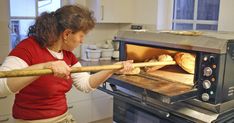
<point x="205" y="58"/>
<point x="205" y="97"/>
<point x="212" y="59"/>
<point x="207" y="71"/>
<point x="206" y="84"/>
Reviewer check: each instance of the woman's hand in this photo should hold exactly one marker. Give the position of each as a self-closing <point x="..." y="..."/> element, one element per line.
<point x="100" y="77"/>
<point x="127" y="67"/>
<point x="60" y="69"/>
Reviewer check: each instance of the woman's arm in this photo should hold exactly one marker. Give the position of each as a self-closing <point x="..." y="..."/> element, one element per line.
<point x="85" y="82"/>
<point x="100" y="77"/>
<point x="15" y="84"/>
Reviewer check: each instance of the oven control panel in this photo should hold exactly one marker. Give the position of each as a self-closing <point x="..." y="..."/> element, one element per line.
<point x="208" y="77"/>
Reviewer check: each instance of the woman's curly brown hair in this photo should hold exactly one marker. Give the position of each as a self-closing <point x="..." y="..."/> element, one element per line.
<point x="49" y="26"/>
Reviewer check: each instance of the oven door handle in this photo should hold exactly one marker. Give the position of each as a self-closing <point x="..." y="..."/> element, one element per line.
<point x="118" y="93"/>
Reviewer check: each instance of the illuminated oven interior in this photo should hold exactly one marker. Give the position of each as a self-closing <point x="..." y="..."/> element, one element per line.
<point x="182" y="72"/>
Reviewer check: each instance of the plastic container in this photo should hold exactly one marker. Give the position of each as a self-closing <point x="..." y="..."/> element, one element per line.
<point x="93" y="54"/>
<point x="107" y="53"/>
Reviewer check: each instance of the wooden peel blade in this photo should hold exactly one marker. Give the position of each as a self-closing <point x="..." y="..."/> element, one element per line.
<point x="37" y="72"/>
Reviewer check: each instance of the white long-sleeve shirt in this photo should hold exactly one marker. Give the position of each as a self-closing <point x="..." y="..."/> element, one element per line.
<point x="80" y="80"/>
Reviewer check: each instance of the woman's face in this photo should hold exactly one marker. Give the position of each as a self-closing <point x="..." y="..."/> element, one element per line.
<point x="72" y="40"/>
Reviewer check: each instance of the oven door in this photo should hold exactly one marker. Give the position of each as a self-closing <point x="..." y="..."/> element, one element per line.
<point x="153" y="87"/>
<point x="168" y="84"/>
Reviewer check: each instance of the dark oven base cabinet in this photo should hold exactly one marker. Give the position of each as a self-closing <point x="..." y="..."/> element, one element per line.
<point x="128" y="110"/>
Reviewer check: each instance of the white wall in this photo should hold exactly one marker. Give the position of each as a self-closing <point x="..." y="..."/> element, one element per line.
<point x="164" y="14"/>
<point x="157" y="14"/>
<point x="145" y="12"/>
<point x="4" y="31"/>
<point x="226" y="15"/>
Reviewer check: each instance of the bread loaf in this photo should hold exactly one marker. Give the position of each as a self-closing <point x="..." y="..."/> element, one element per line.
<point x="136" y="70"/>
<point x="186" y="61"/>
<point x="161" y="58"/>
<point x="165" y="57"/>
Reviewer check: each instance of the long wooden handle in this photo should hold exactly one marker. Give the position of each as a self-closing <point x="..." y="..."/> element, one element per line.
<point x="37" y="72"/>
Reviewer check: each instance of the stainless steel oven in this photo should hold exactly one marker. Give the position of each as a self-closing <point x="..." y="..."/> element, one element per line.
<point x="204" y="96"/>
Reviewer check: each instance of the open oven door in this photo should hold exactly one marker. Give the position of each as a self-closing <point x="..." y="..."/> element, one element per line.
<point x="154" y="87"/>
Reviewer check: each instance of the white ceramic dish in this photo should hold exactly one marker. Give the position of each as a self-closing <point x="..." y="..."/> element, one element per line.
<point x="115" y="54"/>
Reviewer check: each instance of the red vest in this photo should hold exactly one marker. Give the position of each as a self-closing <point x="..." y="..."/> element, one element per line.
<point x="44" y="97"/>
